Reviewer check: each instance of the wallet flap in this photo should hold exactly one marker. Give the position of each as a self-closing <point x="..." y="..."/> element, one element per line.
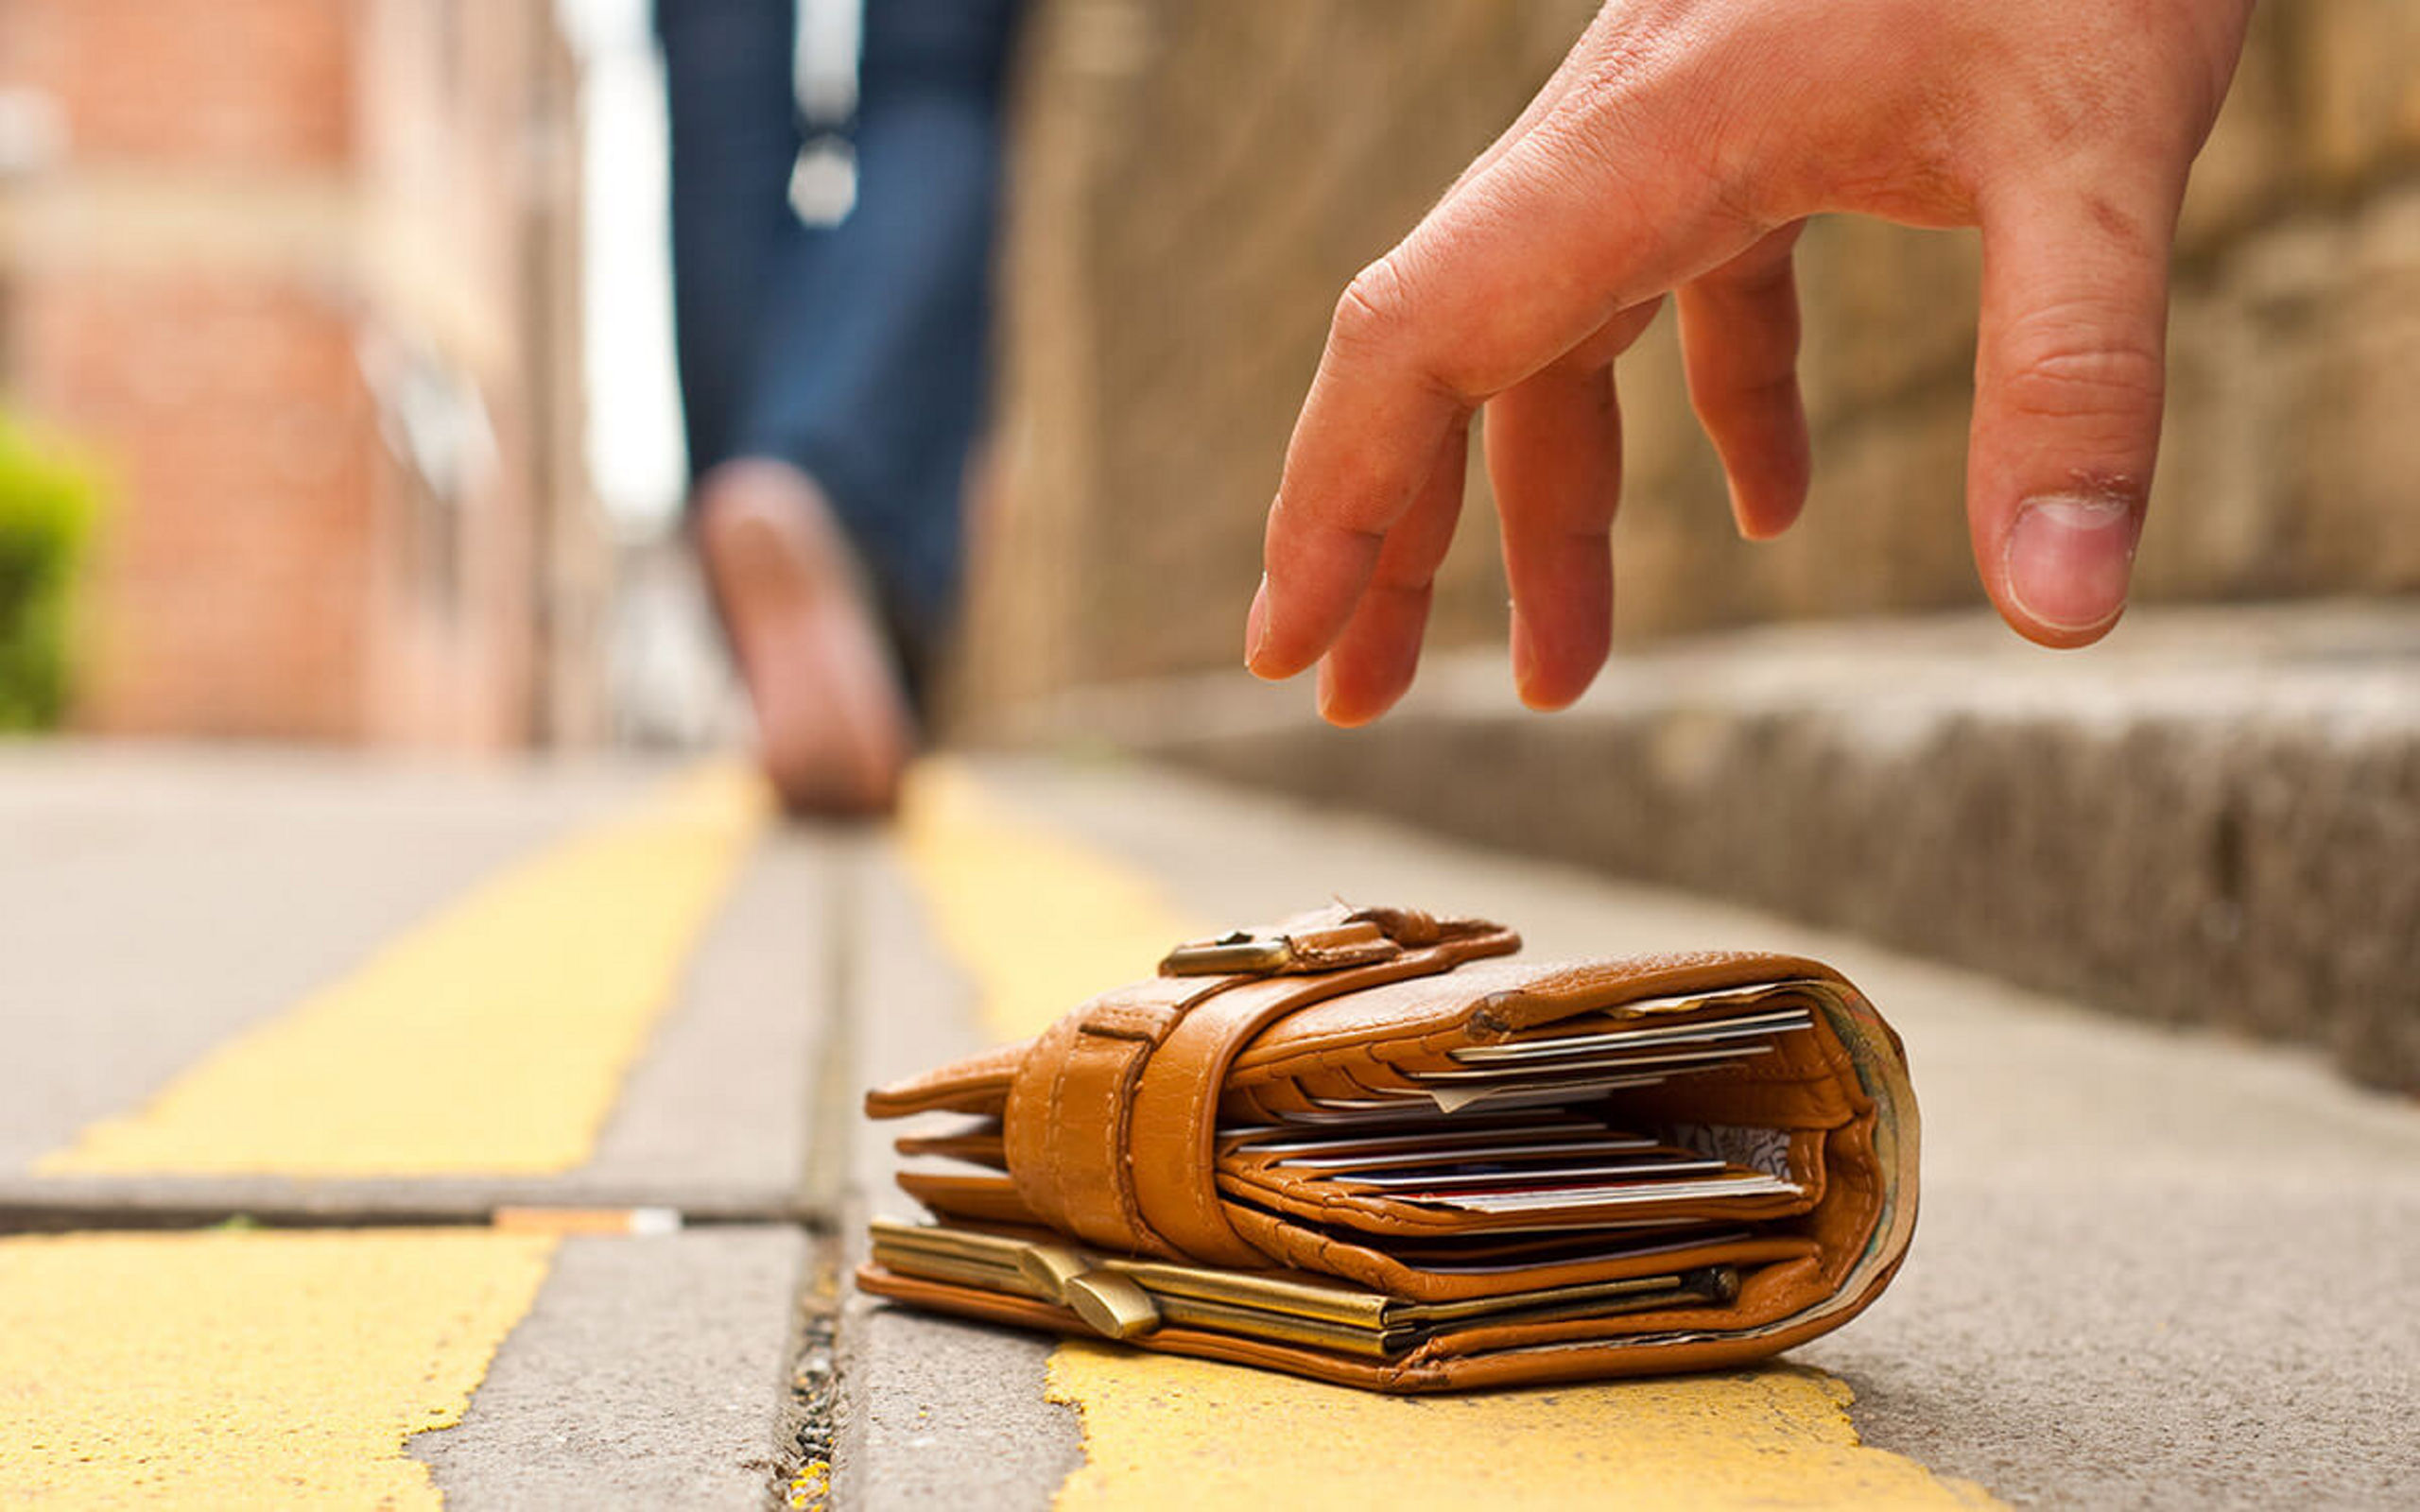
<point x="1494" y="1000"/>
<point x="978" y="1084"/>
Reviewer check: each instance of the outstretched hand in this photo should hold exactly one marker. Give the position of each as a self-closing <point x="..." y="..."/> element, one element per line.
<point x="1677" y="150"/>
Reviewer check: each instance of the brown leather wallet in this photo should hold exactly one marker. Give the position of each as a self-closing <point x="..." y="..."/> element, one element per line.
<point x="1362" y="1146"/>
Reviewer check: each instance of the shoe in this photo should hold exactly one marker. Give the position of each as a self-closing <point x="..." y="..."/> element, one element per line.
<point x="833" y="727"/>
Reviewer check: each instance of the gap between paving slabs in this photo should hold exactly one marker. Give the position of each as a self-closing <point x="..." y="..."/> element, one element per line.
<point x="633" y="1189"/>
<point x="808" y="1432"/>
<point x="797" y="1471"/>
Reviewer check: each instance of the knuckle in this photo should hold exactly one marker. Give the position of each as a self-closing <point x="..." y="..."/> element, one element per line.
<point x="2065" y="367"/>
<point x="1373" y="314"/>
<point x="1382" y="323"/>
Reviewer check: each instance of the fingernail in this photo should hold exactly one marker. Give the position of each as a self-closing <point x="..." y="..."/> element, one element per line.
<point x="1525" y="656"/>
<point x="2069" y="558"/>
<point x="1256" y="626"/>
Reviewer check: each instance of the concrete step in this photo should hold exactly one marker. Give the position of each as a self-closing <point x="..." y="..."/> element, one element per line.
<point x="2212" y="818"/>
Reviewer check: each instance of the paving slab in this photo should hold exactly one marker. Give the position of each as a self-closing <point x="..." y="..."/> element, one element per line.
<point x="160" y="904"/>
<point x="172" y="914"/>
<point x="155" y="903"/>
<point x="2157" y="1267"/>
<point x="936" y="1412"/>
<point x="648" y="1373"/>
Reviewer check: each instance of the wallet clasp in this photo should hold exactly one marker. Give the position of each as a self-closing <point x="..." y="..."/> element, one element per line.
<point x="1323" y="942"/>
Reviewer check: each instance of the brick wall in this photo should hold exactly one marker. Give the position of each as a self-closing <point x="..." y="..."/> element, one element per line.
<point x="236" y="84"/>
<point x="297" y="278"/>
<point x="239" y="500"/>
<point x="1196" y="179"/>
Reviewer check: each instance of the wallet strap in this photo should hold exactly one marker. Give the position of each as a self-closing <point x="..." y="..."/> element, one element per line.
<point x="1112" y="1118"/>
<point x="1325" y="939"/>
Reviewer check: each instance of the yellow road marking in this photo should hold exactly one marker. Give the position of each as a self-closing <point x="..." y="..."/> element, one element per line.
<point x="1160" y="1430"/>
<point x="493" y="1038"/>
<point x="1070" y="920"/>
<point x="1040" y="923"/>
<point x="246" y="1370"/>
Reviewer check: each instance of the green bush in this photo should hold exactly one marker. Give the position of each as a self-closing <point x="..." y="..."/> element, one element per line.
<point x="48" y="503"/>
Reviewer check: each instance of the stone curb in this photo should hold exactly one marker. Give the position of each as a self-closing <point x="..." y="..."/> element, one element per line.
<point x="2212" y="818"/>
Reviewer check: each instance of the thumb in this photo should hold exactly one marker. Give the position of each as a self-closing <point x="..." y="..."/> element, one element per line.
<point x="2069" y="371"/>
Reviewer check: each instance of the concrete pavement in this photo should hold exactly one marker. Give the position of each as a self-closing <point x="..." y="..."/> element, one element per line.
<point x="2156" y="1268"/>
<point x="169" y="910"/>
<point x="336" y="1092"/>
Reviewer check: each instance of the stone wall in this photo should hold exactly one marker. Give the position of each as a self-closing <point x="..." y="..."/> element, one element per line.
<point x="1196" y="180"/>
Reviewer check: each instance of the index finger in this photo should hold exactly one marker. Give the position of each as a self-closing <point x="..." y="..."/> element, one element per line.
<point x="1518" y="266"/>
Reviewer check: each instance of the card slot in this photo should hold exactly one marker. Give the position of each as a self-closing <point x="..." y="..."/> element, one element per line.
<point x="1777" y="1022"/>
<point x="983" y="1148"/>
<point x="1697" y="1060"/>
<point x="1361" y="1105"/>
<point x="1446" y="1177"/>
<point x="1547" y="1245"/>
<point x="1390" y="1215"/>
<point x="1476" y="1129"/>
<point x="1538" y="1256"/>
<point x="1452" y="1100"/>
<point x="1407" y="1111"/>
<point x="1419" y="1151"/>
<point x="1590" y="1199"/>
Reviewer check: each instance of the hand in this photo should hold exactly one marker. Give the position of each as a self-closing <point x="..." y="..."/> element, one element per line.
<point x="1677" y="150"/>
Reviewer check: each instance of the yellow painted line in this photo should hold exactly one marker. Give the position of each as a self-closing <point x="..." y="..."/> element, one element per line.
<point x="246" y="1370"/>
<point x="1070" y="920"/>
<point x="492" y="1038"/>
<point x="1160" y="1430"/>
<point x="1042" y="923"/>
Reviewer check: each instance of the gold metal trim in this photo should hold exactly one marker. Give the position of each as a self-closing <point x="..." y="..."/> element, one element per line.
<point x="1123" y="1298"/>
<point x="1228" y="955"/>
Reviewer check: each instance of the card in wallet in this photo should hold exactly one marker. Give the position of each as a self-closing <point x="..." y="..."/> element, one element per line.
<point x="1368" y="1146"/>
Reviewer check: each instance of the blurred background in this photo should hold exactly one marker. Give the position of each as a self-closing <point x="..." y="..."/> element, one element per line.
<point x="333" y="339"/>
<point x="334" y="361"/>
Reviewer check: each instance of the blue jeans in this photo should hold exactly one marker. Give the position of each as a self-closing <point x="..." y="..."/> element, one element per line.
<point x="857" y="351"/>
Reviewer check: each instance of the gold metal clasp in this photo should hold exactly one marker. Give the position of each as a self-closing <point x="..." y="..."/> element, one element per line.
<point x="1228" y="955"/>
<point x="1110" y="1304"/>
<point x="1320" y="942"/>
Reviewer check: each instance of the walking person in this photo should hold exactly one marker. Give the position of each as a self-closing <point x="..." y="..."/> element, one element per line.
<point x="833" y="376"/>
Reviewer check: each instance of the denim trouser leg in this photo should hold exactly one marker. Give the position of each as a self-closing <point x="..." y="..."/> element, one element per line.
<point x="856" y="352"/>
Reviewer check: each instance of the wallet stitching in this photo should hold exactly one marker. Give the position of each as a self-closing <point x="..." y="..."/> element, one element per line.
<point x="1121" y="1104"/>
<point x="1115" y="1164"/>
<point x="1056" y="1149"/>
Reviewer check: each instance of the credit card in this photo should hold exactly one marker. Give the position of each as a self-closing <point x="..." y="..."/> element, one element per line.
<point x="1652" y="1060"/>
<point x="1434" y="1152"/>
<point x="1749" y="1027"/>
<point x="1632" y="1194"/>
<point x="1451" y="1100"/>
<point x="1388" y="1113"/>
<point x="1544" y="1178"/>
<point x="1478" y="1129"/>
